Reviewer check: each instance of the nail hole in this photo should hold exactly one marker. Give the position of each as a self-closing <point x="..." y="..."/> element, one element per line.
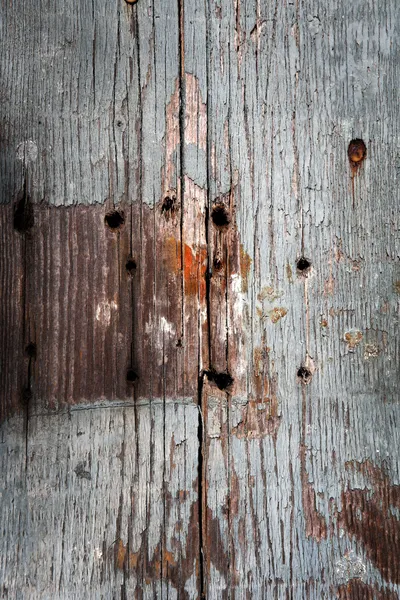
<point x="304" y="375"/>
<point x="303" y="266"/>
<point x="131" y="376"/>
<point x="218" y="264"/>
<point x="30" y="350"/>
<point x="114" y="219"/>
<point x="23" y="214"/>
<point x="356" y="152"/>
<point x="130" y="266"/>
<point x="220" y="216"/>
<point x="222" y="380"/>
<point x="169" y="204"/>
<point x="119" y="123"/>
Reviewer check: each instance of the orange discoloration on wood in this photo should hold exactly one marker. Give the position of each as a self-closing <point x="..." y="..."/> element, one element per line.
<point x="124" y="558"/>
<point x="357" y="151"/>
<point x="168" y="559"/>
<point x="194" y="265"/>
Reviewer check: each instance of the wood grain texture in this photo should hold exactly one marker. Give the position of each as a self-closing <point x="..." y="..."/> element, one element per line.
<point x="81" y="512"/>
<point x="291" y="85"/>
<point x="184" y="413"/>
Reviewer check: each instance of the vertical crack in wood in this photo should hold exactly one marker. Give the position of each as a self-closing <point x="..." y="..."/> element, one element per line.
<point x="201" y="491"/>
<point x="182" y="109"/>
<point x="27" y="391"/>
<point x="134" y="282"/>
<point x="204" y="575"/>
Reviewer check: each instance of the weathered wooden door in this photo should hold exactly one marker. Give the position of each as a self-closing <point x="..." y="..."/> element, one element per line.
<point x="199" y="299"/>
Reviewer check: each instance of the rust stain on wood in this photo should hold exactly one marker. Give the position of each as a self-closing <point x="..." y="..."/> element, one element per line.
<point x="357" y="152"/>
<point x="123" y="558"/>
<point x="194" y="267"/>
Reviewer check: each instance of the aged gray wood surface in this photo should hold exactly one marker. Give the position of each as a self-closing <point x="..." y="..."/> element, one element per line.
<point x="168" y="486"/>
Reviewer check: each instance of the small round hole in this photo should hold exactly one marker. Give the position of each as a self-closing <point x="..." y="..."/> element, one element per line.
<point x="131" y="376"/>
<point x="130" y="266"/>
<point x="222" y="380"/>
<point x="168" y="204"/>
<point x="303" y="266"/>
<point x="30" y="350"/>
<point x="114" y="219"/>
<point x="304" y="374"/>
<point x="23" y="214"/>
<point x="218" y="264"/>
<point x="220" y="216"/>
<point x="356" y="151"/>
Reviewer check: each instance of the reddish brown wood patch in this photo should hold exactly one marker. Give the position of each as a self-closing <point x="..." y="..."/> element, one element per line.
<point x="358" y="590"/>
<point x="367" y="515"/>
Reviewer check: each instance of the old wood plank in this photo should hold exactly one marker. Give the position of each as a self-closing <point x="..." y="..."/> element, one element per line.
<point x="115" y="297"/>
<point x="167" y="112"/>
<point x="81" y="510"/>
<point x="291" y="85"/>
<point x="14" y="361"/>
